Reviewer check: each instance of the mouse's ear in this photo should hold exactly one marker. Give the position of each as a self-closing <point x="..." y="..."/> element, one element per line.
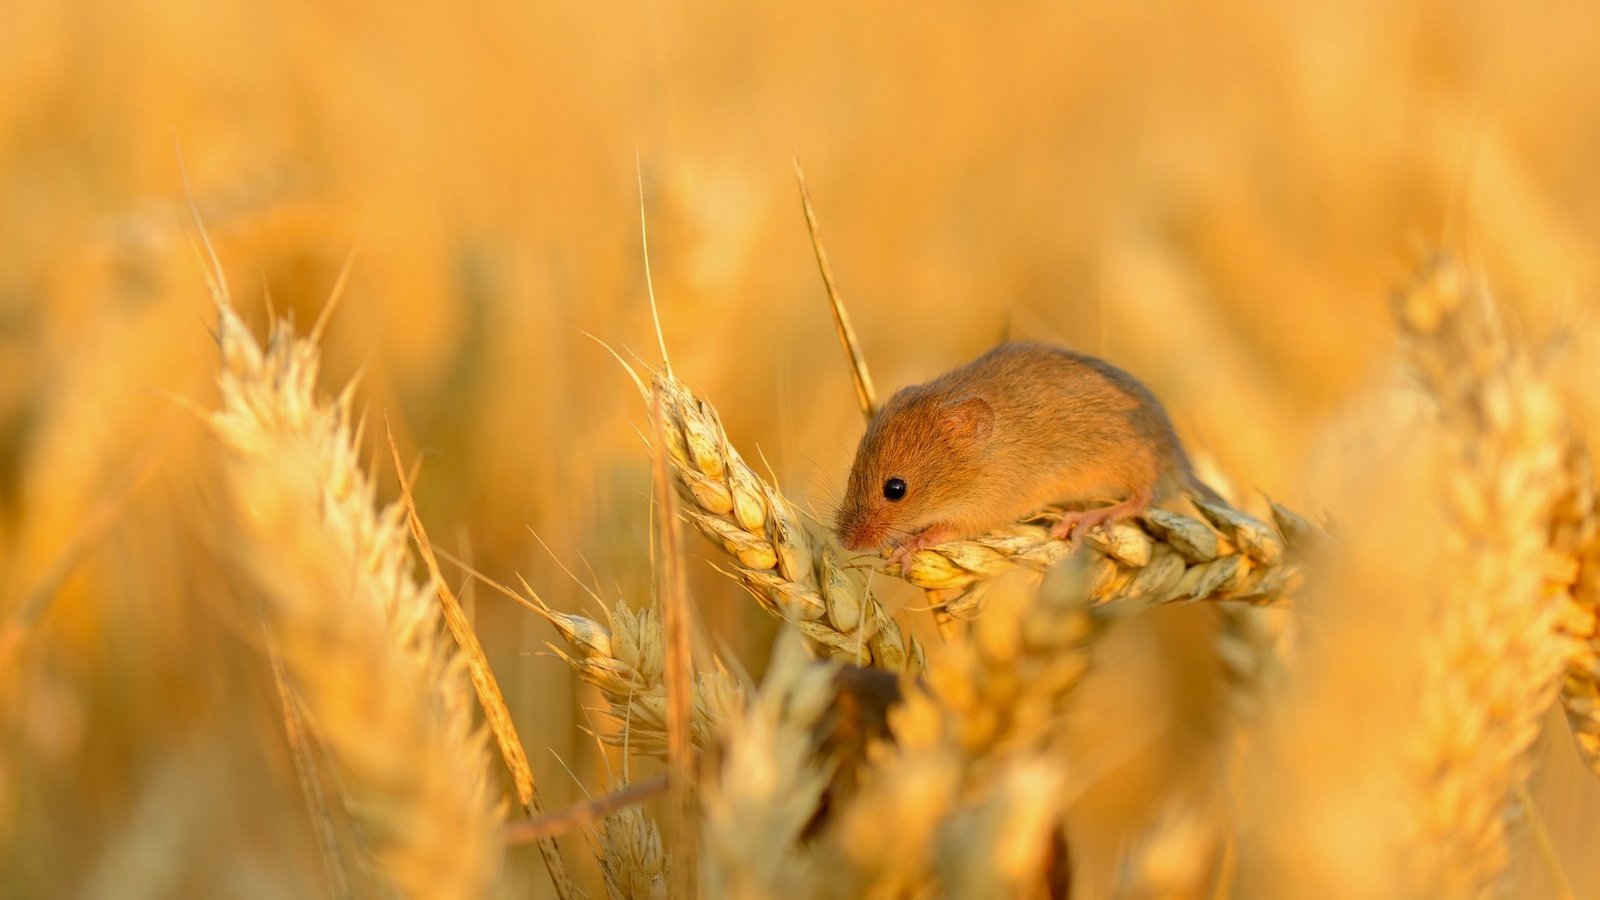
<point x="968" y="420"/>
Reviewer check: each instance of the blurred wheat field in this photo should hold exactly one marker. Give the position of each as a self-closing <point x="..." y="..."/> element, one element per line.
<point x="1222" y="198"/>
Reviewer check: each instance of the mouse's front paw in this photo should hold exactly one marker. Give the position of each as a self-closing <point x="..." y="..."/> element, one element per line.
<point x="927" y="537"/>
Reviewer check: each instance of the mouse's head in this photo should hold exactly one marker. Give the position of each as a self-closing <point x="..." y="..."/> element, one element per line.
<point x="914" y="468"/>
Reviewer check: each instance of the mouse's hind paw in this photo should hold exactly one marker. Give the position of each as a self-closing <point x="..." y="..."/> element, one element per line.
<point x="1073" y="524"/>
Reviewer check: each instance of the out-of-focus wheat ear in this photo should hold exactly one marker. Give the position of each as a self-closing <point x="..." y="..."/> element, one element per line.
<point x="1178" y="857"/>
<point x="360" y="640"/>
<point x="1575" y="570"/>
<point x="1494" y="656"/>
<point x="483" y="681"/>
<point x="865" y="394"/>
<point x="986" y="708"/>
<point x="793" y="572"/>
<point x="633" y="860"/>
<point x="1005" y="844"/>
<point x="1580" y="694"/>
<point x="1006" y="686"/>
<point x="625" y="659"/>
<point x="769" y="784"/>
<point x="1251" y="646"/>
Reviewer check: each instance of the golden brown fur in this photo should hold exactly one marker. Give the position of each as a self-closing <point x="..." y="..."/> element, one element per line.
<point x="1022" y="427"/>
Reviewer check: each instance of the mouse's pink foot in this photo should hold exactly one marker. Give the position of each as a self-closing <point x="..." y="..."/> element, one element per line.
<point x="1074" y="524"/>
<point x="927" y="537"/>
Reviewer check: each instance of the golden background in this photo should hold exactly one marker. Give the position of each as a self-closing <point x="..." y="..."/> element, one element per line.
<point x="1217" y="196"/>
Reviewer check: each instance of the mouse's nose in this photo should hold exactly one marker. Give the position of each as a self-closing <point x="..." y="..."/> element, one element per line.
<point x="858" y="537"/>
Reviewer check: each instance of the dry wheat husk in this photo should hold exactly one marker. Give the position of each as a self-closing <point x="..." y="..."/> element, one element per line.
<point x="383" y="691"/>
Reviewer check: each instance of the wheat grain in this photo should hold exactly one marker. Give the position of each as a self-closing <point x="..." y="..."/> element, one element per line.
<point x="625" y="659"/>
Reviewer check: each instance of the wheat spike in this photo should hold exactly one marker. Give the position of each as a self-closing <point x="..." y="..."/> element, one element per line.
<point x="792" y="571"/>
<point x="1575" y="569"/>
<point x="385" y="693"/>
<point x="972" y="739"/>
<point x="1161" y="557"/>
<point x="1177" y="857"/>
<point x="1494" y="655"/>
<point x="770" y="783"/>
<point x="633" y="860"/>
<point x="626" y="660"/>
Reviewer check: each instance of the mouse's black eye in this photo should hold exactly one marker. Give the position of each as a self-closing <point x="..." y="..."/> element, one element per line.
<point x="894" y="488"/>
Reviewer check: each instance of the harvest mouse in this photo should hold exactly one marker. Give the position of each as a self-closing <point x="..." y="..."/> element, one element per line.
<point x="1021" y="427"/>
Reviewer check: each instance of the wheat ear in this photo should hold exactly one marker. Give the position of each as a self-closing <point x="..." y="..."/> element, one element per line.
<point x="792" y="572"/>
<point x="1494" y="655"/>
<point x="633" y="859"/>
<point x="770" y="783"/>
<point x="1161" y="557"/>
<point x="1575" y="540"/>
<point x="973" y="748"/>
<point x="381" y="689"/>
<point x="626" y="659"/>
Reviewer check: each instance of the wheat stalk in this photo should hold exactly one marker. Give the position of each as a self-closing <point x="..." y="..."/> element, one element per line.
<point x="385" y="695"/>
<point x="484" y="684"/>
<point x="1494" y="655"/>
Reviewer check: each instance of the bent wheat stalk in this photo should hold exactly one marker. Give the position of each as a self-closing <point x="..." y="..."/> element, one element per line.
<point x="1161" y="557"/>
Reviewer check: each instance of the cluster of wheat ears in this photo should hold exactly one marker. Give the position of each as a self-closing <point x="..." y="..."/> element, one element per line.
<point x="869" y="762"/>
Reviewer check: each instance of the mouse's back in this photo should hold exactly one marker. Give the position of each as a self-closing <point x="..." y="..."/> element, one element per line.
<point x="1019" y="428"/>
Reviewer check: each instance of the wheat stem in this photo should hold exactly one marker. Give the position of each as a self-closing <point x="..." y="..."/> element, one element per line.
<point x="484" y="683"/>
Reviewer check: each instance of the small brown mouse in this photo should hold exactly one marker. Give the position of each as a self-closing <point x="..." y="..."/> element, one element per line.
<point x="1021" y="427"/>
